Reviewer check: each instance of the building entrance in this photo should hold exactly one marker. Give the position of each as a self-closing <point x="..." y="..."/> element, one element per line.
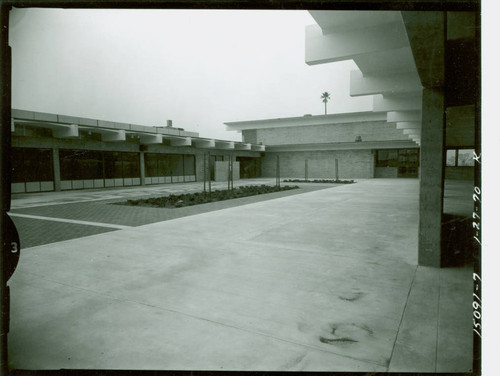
<point x="402" y="163"/>
<point x="249" y="167"/>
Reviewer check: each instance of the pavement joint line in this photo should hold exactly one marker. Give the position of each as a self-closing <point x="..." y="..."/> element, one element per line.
<point x="402" y="317"/>
<point x="256" y="332"/>
<point x="74" y="221"/>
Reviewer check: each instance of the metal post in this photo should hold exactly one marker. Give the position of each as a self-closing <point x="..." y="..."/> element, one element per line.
<point x="307" y="170"/>
<point x="209" y="174"/>
<point x="336" y="169"/>
<point x="204" y="172"/>
<point x="278" y="171"/>
<point x="232" y="175"/>
<point x="229" y="174"/>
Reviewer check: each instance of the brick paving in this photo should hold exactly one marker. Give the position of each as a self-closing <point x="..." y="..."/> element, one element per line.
<point x="35" y="232"/>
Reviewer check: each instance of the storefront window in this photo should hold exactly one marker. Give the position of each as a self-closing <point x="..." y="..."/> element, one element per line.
<point x="30" y="164"/>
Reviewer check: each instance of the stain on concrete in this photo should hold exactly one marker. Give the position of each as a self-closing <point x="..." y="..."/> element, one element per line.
<point x="351" y="297"/>
<point x="342" y="340"/>
<point x="345" y="333"/>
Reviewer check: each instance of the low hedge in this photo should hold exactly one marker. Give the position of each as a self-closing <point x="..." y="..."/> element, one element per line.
<point x="189" y="199"/>
<point x="331" y="181"/>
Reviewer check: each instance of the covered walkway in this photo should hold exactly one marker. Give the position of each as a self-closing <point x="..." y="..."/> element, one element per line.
<point x="321" y="281"/>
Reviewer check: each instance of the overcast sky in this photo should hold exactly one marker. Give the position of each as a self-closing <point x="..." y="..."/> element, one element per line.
<point x="200" y="68"/>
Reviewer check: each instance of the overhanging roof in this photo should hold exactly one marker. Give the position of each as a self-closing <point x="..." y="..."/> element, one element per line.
<point x="63" y="126"/>
<point x="307" y="120"/>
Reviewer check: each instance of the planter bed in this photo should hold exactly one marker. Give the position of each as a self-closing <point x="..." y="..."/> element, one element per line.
<point x="189" y="199"/>
<point x="331" y="181"/>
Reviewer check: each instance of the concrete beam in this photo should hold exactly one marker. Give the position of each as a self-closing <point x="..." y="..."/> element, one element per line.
<point x="258" y="148"/>
<point x="65" y="131"/>
<point x="58" y="130"/>
<point x="204" y="143"/>
<point x="243" y="146"/>
<point x="426" y="34"/>
<point x="346" y="45"/>
<point x="118" y="135"/>
<point x="147" y="139"/>
<point x="224" y="145"/>
<point x="397" y="103"/>
<point x="411" y="131"/>
<point x="338" y="21"/>
<point x="397" y="116"/>
<point x="107" y="135"/>
<point x="180" y="141"/>
<point x="394" y="83"/>
<point x="396" y="60"/>
<point x="409" y="125"/>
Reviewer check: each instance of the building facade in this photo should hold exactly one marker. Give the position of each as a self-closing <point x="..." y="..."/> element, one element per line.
<point x="53" y="152"/>
<point x="352" y="145"/>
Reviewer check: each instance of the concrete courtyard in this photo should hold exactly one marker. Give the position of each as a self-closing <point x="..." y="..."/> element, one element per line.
<point x="325" y="280"/>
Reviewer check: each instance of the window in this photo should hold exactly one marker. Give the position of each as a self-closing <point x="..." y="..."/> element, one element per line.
<point x="460" y="157"/>
<point x="131" y="165"/>
<point x="189" y="165"/>
<point x="465" y="157"/>
<point x="113" y="166"/>
<point x="451" y="157"/>
<point x="177" y="164"/>
<point x="387" y="158"/>
<point x="151" y="164"/>
<point x="30" y="164"/>
<point x="81" y="164"/>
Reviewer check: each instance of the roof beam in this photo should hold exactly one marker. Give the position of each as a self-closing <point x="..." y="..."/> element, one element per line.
<point x="58" y="130"/>
<point x="412" y="131"/>
<point x="180" y="141"/>
<point x="397" y="116"/>
<point x="396" y="83"/>
<point x="258" y="148"/>
<point x="61" y="131"/>
<point x="224" y="145"/>
<point x="107" y="135"/>
<point x="397" y="103"/>
<point x="409" y="125"/>
<point x="113" y="136"/>
<point x="347" y="45"/>
<point x="243" y="146"/>
<point x="204" y="143"/>
<point x="148" y="139"/>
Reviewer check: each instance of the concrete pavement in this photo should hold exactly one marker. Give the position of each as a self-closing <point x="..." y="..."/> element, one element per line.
<point x="320" y="281"/>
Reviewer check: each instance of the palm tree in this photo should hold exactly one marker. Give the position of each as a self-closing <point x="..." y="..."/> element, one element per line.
<point x="325" y="97"/>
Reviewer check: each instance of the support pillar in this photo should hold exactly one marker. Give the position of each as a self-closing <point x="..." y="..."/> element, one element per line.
<point x="142" y="165"/>
<point x="432" y="177"/>
<point x="56" y="169"/>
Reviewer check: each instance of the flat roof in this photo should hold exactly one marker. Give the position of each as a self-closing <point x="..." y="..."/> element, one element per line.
<point x="308" y="120"/>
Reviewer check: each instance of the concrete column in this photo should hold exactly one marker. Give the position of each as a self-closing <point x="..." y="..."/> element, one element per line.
<point x="142" y="165"/>
<point x="56" y="169"/>
<point x="431" y="178"/>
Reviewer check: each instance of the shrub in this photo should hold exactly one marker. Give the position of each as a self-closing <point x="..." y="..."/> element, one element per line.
<point x="189" y="199"/>
<point x="331" y="181"/>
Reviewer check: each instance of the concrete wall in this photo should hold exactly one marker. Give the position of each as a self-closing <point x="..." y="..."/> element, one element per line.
<point x="221" y="170"/>
<point x="329" y="133"/>
<point x="321" y="164"/>
<point x="386" y="172"/>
